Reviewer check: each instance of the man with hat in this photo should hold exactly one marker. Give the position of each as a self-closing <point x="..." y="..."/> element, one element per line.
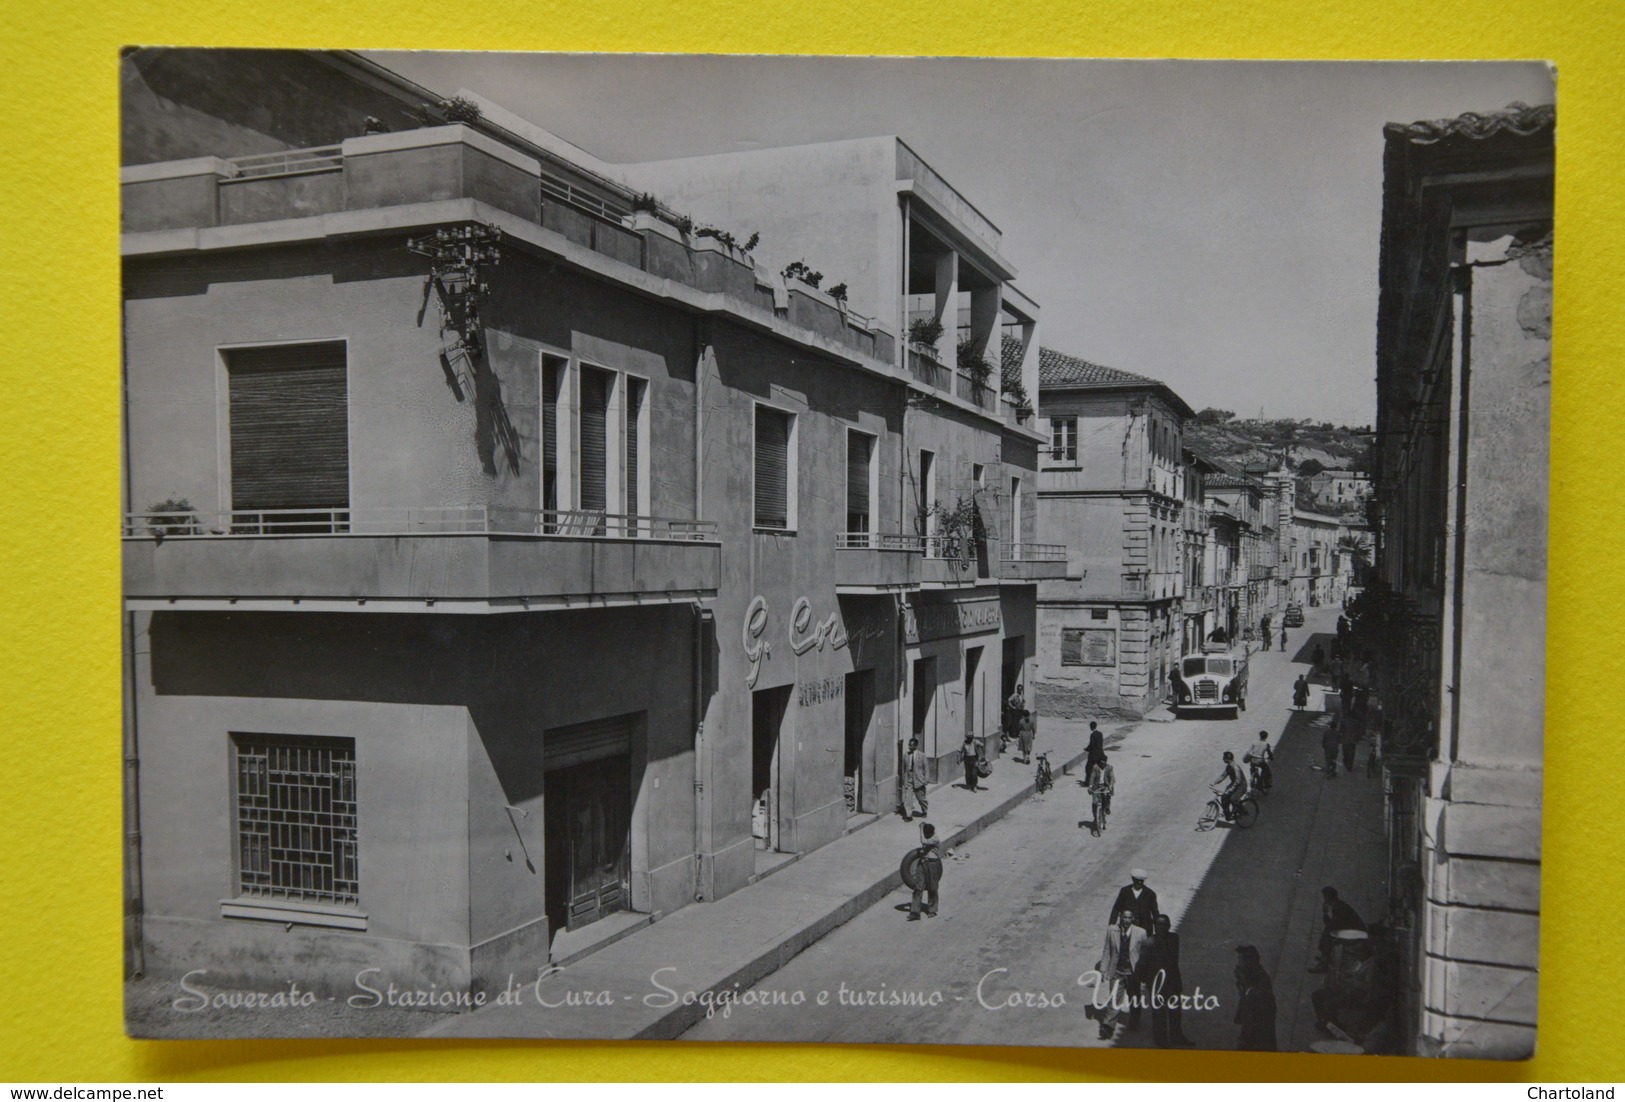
<point x="1139" y="900"/>
<point x="1335" y="915"/>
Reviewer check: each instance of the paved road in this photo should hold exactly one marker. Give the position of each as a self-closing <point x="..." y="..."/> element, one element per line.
<point x="1025" y="905"/>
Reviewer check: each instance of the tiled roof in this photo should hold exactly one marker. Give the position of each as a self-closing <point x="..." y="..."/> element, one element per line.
<point x="1518" y="118"/>
<point x="1057" y="369"/>
<point x="1009" y="359"/>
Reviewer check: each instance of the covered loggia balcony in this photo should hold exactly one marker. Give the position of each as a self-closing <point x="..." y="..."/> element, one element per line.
<point x="461" y="558"/>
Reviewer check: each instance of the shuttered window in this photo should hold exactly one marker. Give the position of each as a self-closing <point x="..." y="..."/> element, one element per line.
<point x="773" y="431"/>
<point x="603" y="738"/>
<point x="634" y="445"/>
<point x="594" y="439"/>
<point x="552" y="369"/>
<point x="860" y="450"/>
<point x="289" y="414"/>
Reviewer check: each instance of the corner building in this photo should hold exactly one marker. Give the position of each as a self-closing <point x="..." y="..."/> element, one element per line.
<point x="503" y="566"/>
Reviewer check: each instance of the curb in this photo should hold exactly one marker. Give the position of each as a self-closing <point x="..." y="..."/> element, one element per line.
<point x="681" y="1018"/>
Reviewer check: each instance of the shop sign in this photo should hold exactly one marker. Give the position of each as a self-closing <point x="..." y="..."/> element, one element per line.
<point x="804" y="635"/>
<point x="971" y="617"/>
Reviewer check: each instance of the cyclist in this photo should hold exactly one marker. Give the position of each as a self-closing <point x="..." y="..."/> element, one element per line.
<point x="1102" y="782"/>
<point x="1230" y="785"/>
<point x="1258" y="757"/>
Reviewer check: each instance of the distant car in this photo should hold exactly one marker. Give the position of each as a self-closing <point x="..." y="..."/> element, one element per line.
<point x="1292" y="617"/>
<point x="1215" y="680"/>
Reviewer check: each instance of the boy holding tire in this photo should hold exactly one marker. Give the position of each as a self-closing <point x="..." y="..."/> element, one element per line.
<point x="927" y="863"/>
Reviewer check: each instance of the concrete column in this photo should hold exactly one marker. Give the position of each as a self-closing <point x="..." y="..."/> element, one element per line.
<point x="985" y="303"/>
<point x="947" y="305"/>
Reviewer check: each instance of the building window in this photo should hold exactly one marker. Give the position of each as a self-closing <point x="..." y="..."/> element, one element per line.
<point x="860" y="453"/>
<point x="296" y="819"/>
<point x="1063" y="439"/>
<point x="288" y="417"/>
<point x="636" y="464"/>
<point x="775" y="468"/>
<point x="1097" y="614"/>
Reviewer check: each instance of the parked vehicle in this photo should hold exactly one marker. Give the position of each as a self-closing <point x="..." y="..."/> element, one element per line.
<point x="1215" y="680"/>
<point x="1293" y="616"/>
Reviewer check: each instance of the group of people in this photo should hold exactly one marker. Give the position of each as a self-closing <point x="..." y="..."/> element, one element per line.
<point x="1139" y="967"/>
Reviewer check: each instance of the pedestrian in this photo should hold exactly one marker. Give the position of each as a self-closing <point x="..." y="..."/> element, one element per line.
<point x="1283" y="638"/>
<point x="1096" y="749"/>
<point x="1352" y="730"/>
<point x="1026" y="733"/>
<point x="973" y="758"/>
<point x="1266" y="635"/>
<point x="1335" y="915"/>
<point x="915" y="769"/>
<point x="1342" y="627"/>
<point x="1300" y="693"/>
<point x="1255" y="1009"/>
<point x="1102" y="783"/>
<point x="1319" y="657"/>
<point x="1159" y="968"/>
<point x="930" y="874"/>
<point x="1329" y="740"/>
<point x="1258" y="757"/>
<point x="1137" y="899"/>
<point x="1119" y="966"/>
<point x="1345" y="694"/>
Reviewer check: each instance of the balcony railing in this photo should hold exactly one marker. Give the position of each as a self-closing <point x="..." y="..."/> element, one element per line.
<point x="415" y="521"/>
<point x="1035" y="552"/>
<point x="879" y="541"/>
<point x="289" y="162"/>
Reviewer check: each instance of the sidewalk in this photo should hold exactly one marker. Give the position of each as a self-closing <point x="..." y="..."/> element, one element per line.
<point x="656" y="983"/>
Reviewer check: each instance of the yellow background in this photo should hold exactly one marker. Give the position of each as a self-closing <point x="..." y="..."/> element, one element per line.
<point x="60" y="1011"/>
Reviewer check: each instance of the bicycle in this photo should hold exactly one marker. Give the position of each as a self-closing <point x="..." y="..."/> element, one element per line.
<point x="1262" y="778"/>
<point x="1212" y="815"/>
<point x="1101" y="803"/>
<point x="1044" y="779"/>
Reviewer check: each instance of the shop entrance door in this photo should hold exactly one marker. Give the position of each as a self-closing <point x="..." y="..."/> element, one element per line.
<point x="860" y="710"/>
<point x="587" y="821"/>
<point x="767" y="708"/>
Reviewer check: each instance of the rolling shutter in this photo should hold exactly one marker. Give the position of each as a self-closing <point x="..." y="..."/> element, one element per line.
<point x="772" y="468"/>
<point x="290" y="446"/>
<point x="859" y="454"/>
<point x="594" y="417"/>
<point x="584" y="742"/>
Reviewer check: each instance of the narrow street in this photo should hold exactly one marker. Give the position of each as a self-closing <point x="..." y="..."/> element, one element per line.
<point x="1025" y="905"/>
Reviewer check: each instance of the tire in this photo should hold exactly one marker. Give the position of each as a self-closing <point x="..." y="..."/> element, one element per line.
<point x="1210" y="816"/>
<point x="909" y="870"/>
<point x="1246" y="812"/>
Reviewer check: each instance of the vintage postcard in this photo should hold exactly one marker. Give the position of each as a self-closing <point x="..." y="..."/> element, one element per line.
<point x="1024" y="552"/>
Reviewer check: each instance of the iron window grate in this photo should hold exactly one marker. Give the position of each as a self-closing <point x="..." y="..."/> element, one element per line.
<point x="296" y="819"/>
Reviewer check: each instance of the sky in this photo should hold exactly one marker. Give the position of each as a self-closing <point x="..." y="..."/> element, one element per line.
<point x="1211" y="224"/>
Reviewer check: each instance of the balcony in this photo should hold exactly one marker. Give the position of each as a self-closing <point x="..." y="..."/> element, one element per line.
<point x="468" y="559"/>
<point x="952" y="562"/>
<point x="433" y="166"/>
<point x="1033" y="562"/>
<point x="877" y="562"/>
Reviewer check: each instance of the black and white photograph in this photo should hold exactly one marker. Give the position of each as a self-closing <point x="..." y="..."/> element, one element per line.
<point x="835" y="549"/>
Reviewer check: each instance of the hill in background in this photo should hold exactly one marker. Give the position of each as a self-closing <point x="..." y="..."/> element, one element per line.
<point x="1308" y="447"/>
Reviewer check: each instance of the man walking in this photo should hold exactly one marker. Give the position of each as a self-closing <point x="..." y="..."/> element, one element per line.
<point x="1283" y="638"/>
<point x="1255" y="1010"/>
<point x="1138" y="900"/>
<point x="1329" y="740"/>
<point x="915" y="792"/>
<point x="973" y="757"/>
<point x="1159" y="965"/>
<point x="1119" y="966"/>
<point x="1352" y="730"/>
<point x="930" y="873"/>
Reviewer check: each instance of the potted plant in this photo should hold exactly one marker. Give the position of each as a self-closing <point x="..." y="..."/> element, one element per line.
<point x="173" y="516"/>
<point x="798" y="270"/>
<point x="924" y="333"/>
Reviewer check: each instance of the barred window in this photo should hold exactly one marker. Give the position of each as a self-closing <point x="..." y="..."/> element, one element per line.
<point x="296" y="818"/>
